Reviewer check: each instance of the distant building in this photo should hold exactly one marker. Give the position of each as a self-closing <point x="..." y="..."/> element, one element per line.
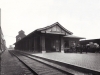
<point x="11" y="47"/>
<point x="2" y="40"/>
<point x="21" y="34"/>
<point x="53" y="38"/>
<point x="84" y="42"/>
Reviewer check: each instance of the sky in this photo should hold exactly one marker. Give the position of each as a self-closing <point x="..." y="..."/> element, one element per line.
<point x="82" y="17"/>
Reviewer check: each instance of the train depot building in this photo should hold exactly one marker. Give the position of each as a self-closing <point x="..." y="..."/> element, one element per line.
<point x="53" y="38"/>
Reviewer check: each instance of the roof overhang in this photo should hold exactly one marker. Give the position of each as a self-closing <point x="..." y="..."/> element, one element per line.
<point x="73" y="36"/>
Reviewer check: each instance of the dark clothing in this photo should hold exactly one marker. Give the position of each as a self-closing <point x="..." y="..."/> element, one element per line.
<point x="97" y="49"/>
<point x="77" y="48"/>
<point x="87" y="48"/>
<point x="84" y="48"/>
<point x="81" y="49"/>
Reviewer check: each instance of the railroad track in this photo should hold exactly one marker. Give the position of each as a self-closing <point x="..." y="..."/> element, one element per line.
<point x="42" y="67"/>
<point x="36" y="67"/>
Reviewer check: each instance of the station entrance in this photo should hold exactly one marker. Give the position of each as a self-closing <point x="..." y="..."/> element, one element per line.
<point x="52" y="43"/>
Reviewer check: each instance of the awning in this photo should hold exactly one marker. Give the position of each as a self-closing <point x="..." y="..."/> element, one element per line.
<point x="73" y="36"/>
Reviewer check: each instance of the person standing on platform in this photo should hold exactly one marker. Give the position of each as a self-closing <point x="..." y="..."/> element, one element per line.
<point x="81" y="48"/>
<point x="91" y="47"/>
<point x="97" y="47"/>
<point x="87" y="48"/>
<point x="77" y="48"/>
<point x="73" y="47"/>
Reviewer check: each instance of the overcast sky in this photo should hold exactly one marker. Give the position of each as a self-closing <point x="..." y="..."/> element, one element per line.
<point x="82" y="17"/>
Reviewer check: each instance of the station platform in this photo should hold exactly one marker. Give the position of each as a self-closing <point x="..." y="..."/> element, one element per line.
<point x="89" y="61"/>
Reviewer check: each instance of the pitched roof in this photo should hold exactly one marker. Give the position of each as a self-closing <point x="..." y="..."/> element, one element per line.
<point x="50" y="26"/>
<point x="73" y="36"/>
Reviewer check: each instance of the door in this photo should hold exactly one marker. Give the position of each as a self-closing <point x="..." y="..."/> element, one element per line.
<point x="57" y="45"/>
<point x="66" y="44"/>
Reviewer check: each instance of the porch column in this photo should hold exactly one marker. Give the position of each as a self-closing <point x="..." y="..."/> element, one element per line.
<point x="29" y="44"/>
<point x="62" y="44"/>
<point x="43" y="43"/>
<point x="23" y="46"/>
<point x="35" y="43"/>
<point x="26" y="45"/>
<point x="19" y="46"/>
<point x="32" y="44"/>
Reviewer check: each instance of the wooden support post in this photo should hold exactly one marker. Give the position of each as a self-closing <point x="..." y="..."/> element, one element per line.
<point x="29" y="45"/>
<point x="35" y="40"/>
<point x="43" y="43"/>
<point x="25" y="45"/>
<point x="62" y="44"/>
